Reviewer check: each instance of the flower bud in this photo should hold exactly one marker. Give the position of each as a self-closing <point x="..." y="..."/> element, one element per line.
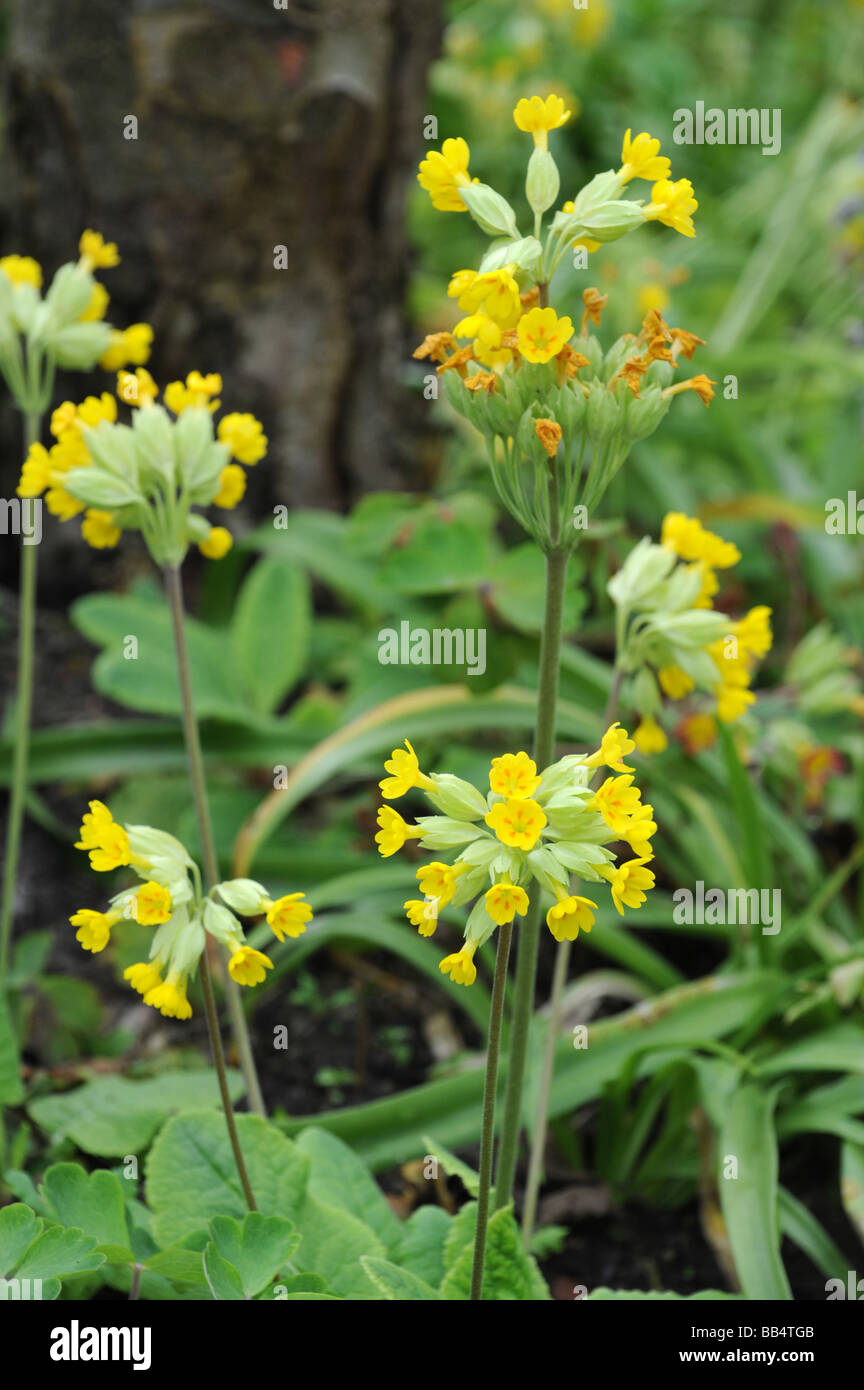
<point x="543" y="181"/>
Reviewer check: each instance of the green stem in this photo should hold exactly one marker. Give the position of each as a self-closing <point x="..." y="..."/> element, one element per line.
<point x="23" y="715"/>
<point x="174" y="591"/>
<point x="559" y="980"/>
<point x="529" y="935"/>
<point x="490" y="1088"/>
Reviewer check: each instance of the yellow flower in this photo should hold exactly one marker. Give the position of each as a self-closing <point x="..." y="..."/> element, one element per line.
<point x="35" y="472"/>
<point x="94" y="928"/>
<point x="105" y="840"/>
<point x="732" y="701"/>
<point x="688" y="538"/>
<point x="244" y="437"/>
<point x="570" y="915"/>
<point x="504" y="901"/>
<point x="537" y="117"/>
<point x="542" y="334"/>
<point x="439" y="881"/>
<point x="288" y="915"/>
<point x="99" y="529"/>
<point x="494" y="294"/>
<point x="550" y="434"/>
<point x="517" y="823"/>
<point x="217" y="543"/>
<point x="460" y="967"/>
<point x="651" y="296"/>
<point x="650" y="737"/>
<point x="639" y="831"/>
<point x="394" y="831"/>
<point x="754" y="632"/>
<point x="152" y="904"/>
<point x="132" y="345"/>
<point x="617" y="801"/>
<point x="675" y="682"/>
<point x="514" y="775"/>
<point x="62" y="504"/>
<point x="63" y="418"/>
<point x="170" y="998"/>
<point x="629" y="883"/>
<point x="98" y="252"/>
<point x="486" y="348"/>
<point x="248" y="966"/>
<point x="93" y="410"/>
<point x="641" y="159"/>
<point x="99" y="301"/>
<point x="701" y="384"/>
<point x="422" y="914"/>
<point x="405" y="774"/>
<point x="697" y="732"/>
<point x="143" y="977"/>
<point x="198" y="390"/>
<point x="22" y="270"/>
<point x="442" y="173"/>
<point x="232" y="485"/>
<point x="615" y="745"/>
<point x="673" y="204"/>
<point x="136" y="388"/>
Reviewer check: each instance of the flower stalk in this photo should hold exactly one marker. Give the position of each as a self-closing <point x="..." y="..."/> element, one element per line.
<point x="192" y="737"/>
<point x="490" y="1088"/>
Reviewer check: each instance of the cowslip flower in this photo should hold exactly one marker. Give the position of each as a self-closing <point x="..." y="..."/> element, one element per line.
<point x="673" y="204"/>
<point x="442" y="173"/>
<point x="146" y="476"/>
<point x="170" y="900"/>
<point x="680" y="646"/>
<point x="537" y="116"/>
<point x="404" y="772"/>
<point x="641" y="159"/>
<point x="531" y="827"/>
<point x="542" y="334"/>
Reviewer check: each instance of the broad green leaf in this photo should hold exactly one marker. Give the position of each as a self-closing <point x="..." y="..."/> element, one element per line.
<point x="19" y="1227"/>
<point x="270" y="629"/>
<point x="316" y="540"/>
<point x="840" y="1048"/>
<point x="749" y="1200"/>
<point x="222" y="1278"/>
<point x="192" y="1177"/>
<point x="256" y="1250"/>
<point x="340" y="1179"/>
<point x="510" y="1273"/>
<point x="801" y="1226"/>
<point x="178" y="1263"/>
<point x="333" y="1244"/>
<point x="149" y="681"/>
<point x="113" y="1116"/>
<point x="59" y="1252"/>
<point x="92" y="1201"/>
<point x="398" y="1285"/>
<point x="517" y="590"/>
<point x="437" y="555"/>
<point x="422" y="1251"/>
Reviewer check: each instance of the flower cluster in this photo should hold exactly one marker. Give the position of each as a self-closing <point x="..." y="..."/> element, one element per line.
<point x="512" y="364"/>
<point x="170" y="899"/>
<point x="146" y="477"/>
<point x="674" y="641"/>
<point x="66" y="327"/>
<point x="531" y="827"/>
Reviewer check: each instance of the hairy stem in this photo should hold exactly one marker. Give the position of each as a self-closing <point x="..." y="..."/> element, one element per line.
<point x="174" y="591"/>
<point x="23" y="715"/>
<point x="490" y="1087"/>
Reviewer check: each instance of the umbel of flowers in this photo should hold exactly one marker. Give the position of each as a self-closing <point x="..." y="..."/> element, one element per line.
<point x="147" y="476"/>
<point x="555" y="408"/>
<point x="65" y="327"/>
<point x="528" y="834"/>
<point x="169" y="898"/>
<point x="673" y="641"/>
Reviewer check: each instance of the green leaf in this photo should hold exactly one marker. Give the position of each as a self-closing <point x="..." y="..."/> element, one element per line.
<point x="222" y="1278"/>
<point x="749" y="1201"/>
<point x="57" y="1253"/>
<point x="840" y="1048"/>
<point x="438" y="555"/>
<point x="852" y="1185"/>
<point x="422" y="1251"/>
<point x="317" y="541"/>
<point x="19" y="1227"/>
<point x="149" y="682"/>
<point x="801" y="1226"/>
<point x="113" y="1116"/>
<point x="256" y="1250"/>
<point x="510" y="1273"/>
<point x="517" y="590"/>
<point x="92" y="1201"/>
<point x="178" y="1263"/>
<point x="340" y="1179"/>
<point x="270" y="632"/>
<point x="398" y="1285"/>
<point x="11" y="1088"/>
